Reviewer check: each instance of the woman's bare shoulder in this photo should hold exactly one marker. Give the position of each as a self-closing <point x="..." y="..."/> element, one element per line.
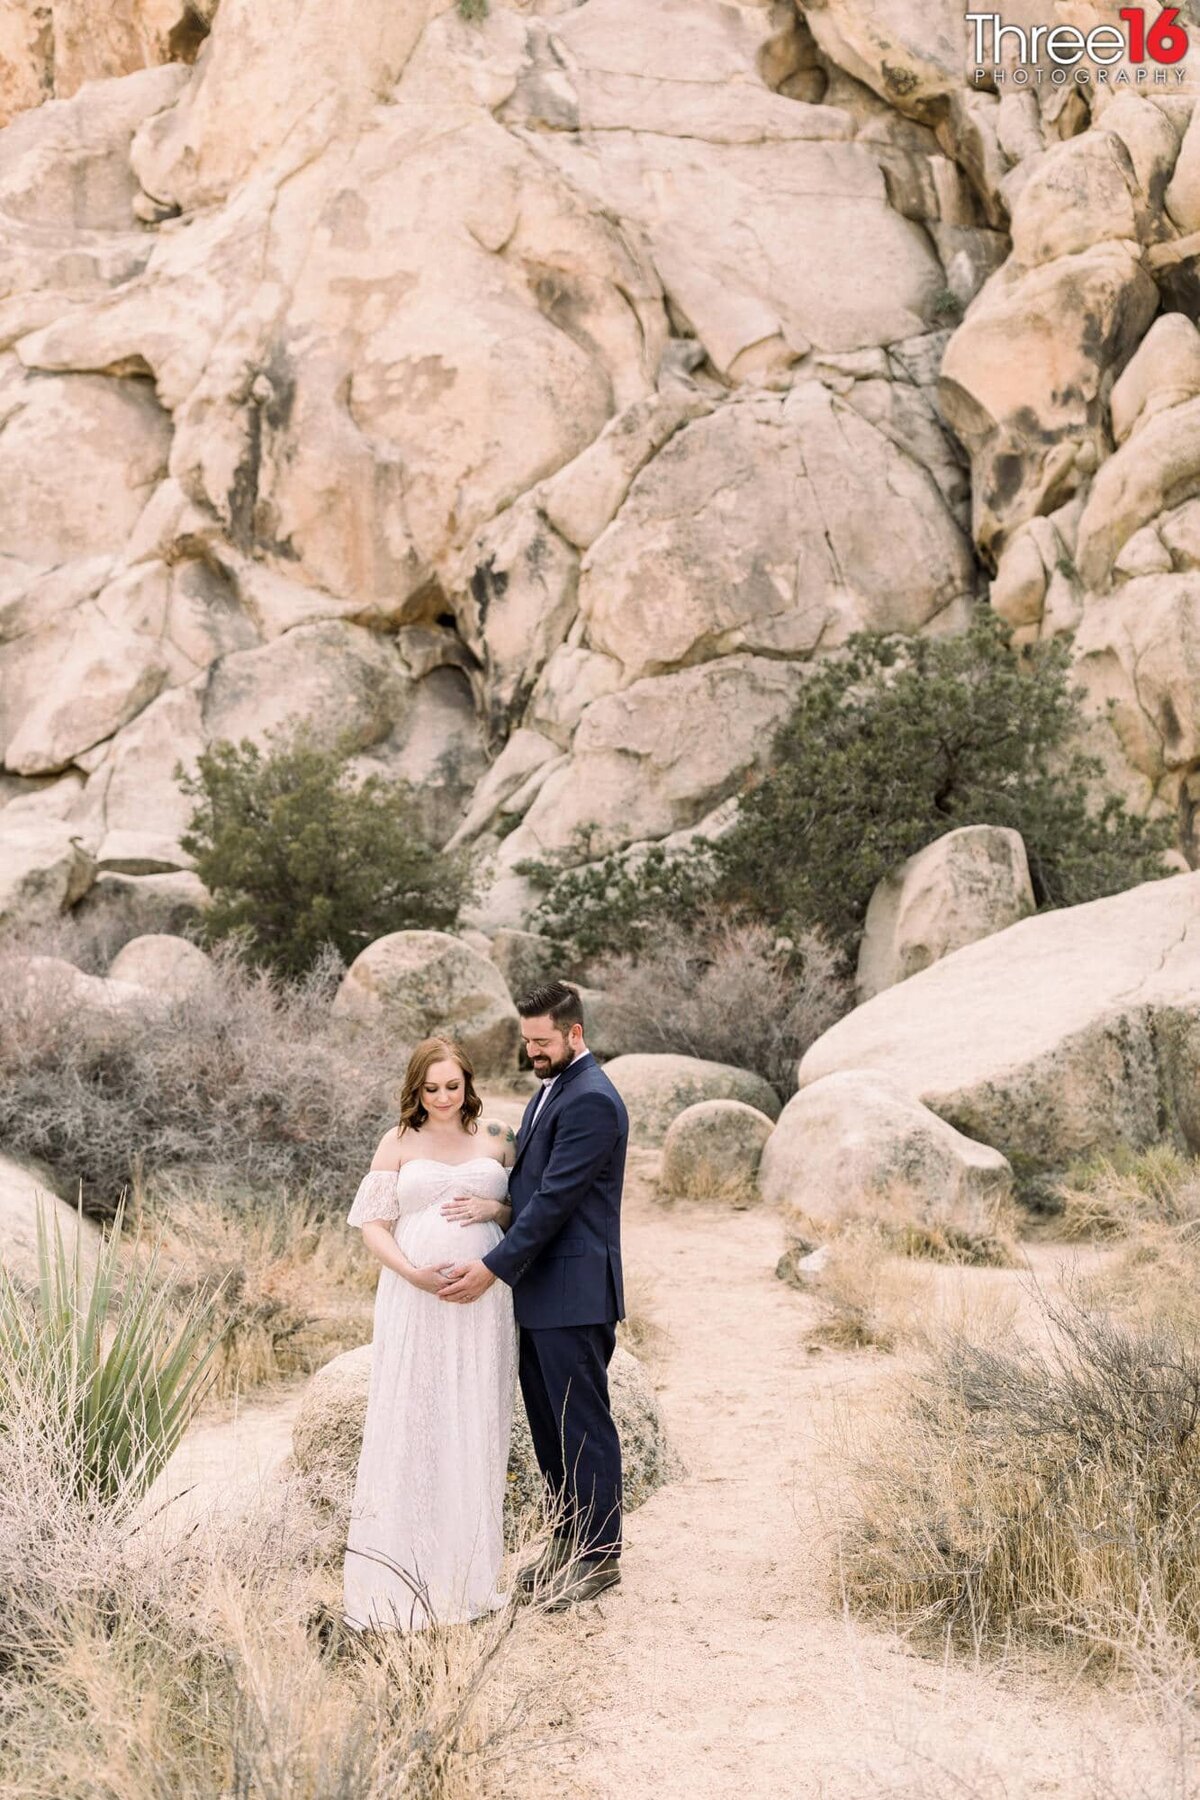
<point x="388" y="1154"/>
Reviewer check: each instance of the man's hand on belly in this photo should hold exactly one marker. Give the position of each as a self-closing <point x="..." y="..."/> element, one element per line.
<point x="467" y="1281"/>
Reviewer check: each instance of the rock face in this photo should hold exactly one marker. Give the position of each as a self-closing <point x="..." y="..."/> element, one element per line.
<point x="961" y="887"/>
<point x="656" y="1089"/>
<point x="1071" y="1031"/>
<point x="327" y="1436"/>
<point x="170" y="966"/>
<point x="539" y="397"/>
<point x="428" y="983"/>
<point x="712" y="1151"/>
<point x="857" y="1142"/>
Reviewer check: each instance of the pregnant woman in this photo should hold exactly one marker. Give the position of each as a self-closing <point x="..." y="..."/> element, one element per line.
<point x="426" y="1536"/>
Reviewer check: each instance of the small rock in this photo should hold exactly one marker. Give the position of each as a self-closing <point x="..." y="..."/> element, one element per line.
<point x="712" y="1151"/>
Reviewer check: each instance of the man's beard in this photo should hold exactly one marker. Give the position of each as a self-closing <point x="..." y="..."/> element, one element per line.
<point x="556" y="1067"/>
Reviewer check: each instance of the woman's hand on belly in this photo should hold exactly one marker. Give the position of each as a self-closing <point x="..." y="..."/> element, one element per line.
<point x="470" y="1209"/>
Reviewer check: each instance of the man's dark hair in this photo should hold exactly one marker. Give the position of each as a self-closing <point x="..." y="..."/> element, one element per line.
<point x="556" y="999"/>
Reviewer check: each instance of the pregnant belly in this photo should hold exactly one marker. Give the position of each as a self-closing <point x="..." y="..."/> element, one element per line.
<point x="429" y="1240"/>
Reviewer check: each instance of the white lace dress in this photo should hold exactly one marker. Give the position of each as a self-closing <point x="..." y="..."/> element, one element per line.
<point x="426" y="1538"/>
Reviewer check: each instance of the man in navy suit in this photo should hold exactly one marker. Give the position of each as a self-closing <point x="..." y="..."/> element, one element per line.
<point x="561" y="1256"/>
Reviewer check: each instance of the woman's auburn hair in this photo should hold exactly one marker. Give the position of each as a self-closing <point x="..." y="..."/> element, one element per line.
<point x="413" y="1113"/>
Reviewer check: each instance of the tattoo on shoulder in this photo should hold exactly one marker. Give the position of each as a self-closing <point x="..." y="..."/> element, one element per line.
<point x="510" y="1136"/>
<point x="495" y="1129"/>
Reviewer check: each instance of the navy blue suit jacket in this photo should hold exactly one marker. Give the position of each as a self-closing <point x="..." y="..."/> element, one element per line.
<point x="562" y="1253"/>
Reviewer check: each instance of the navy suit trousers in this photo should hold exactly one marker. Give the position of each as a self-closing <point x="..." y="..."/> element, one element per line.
<point x="564" y="1383"/>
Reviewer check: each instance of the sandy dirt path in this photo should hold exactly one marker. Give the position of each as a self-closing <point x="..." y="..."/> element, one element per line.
<point x="723" y="1666"/>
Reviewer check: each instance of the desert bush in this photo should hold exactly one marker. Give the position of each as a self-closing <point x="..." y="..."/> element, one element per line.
<point x="903" y="739"/>
<point x="728" y="990"/>
<point x="111" y="1371"/>
<point x="299" y="855"/>
<point x="1039" y="1493"/>
<point x="90" y="941"/>
<point x="248" y="1079"/>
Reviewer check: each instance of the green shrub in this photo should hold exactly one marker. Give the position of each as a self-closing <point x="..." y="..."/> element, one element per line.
<point x="610" y="907"/>
<point x="110" y="1373"/>
<point x="905" y="739"/>
<point x="298" y="855"/>
<point x="891" y="746"/>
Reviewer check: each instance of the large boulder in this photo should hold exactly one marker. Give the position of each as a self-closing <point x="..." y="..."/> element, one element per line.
<point x="22" y="1191"/>
<point x="656" y="1089"/>
<point x="1022" y="379"/>
<point x="327" y="1436"/>
<point x="656" y="757"/>
<point x="961" y="887"/>
<point x="858" y="1141"/>
<point x="1069" y="1032"/>
<point x="713" y="1149"/>
<point x="427" y="984"/>
<point x="169" y="965"/>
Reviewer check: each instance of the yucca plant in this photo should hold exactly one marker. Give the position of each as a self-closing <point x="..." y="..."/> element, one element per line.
<point x="111" y="1371"/>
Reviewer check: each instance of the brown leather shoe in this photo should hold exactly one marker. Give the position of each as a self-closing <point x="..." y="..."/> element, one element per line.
<point x="535" y="1575"/>
<point x="584" y="1580"/>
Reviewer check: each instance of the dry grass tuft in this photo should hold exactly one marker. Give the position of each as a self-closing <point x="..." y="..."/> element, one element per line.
<point x="1111" y="1196"/>
<point x="903" y="1221"/>
<point x="292" y="1288"/>
<point x="872" y="1299"/>
<point x="1039" y="1494"/>
<point x="1153" y="1281"/>
<point x="639" y="1331"/>
<point x="137" y="1663"/>
<point x="707" y="1182"/>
